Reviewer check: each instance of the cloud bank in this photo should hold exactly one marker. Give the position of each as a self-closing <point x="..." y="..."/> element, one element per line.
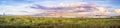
<point x="74" y="9"/>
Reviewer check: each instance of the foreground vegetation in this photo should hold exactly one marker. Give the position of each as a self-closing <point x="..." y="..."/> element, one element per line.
<point x="50" y="22"/>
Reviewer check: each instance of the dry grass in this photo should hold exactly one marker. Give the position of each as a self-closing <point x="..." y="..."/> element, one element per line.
<point x="49" y="22"/>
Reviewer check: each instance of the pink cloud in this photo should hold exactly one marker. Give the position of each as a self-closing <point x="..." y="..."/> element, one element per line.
<point x="76" y="8"/>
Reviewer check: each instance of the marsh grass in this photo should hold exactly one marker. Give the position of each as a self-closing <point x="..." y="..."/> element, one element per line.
<point x="50" y="22"/>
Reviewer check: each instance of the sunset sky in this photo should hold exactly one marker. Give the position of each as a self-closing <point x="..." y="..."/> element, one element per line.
<point x="60" y="7"/>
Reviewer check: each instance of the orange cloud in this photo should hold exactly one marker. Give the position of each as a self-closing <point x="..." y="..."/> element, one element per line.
<point x="102" y="10"/>
<point x="117" y="11"/>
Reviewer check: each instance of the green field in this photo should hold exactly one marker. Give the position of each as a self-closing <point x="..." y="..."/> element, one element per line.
<point x="50" y="22"/>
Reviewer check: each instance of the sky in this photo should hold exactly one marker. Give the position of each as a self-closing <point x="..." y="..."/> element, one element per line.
<point x="28" y="7"/>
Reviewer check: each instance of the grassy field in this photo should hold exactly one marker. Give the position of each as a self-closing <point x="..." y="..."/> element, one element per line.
<point x="50" y="22"/>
